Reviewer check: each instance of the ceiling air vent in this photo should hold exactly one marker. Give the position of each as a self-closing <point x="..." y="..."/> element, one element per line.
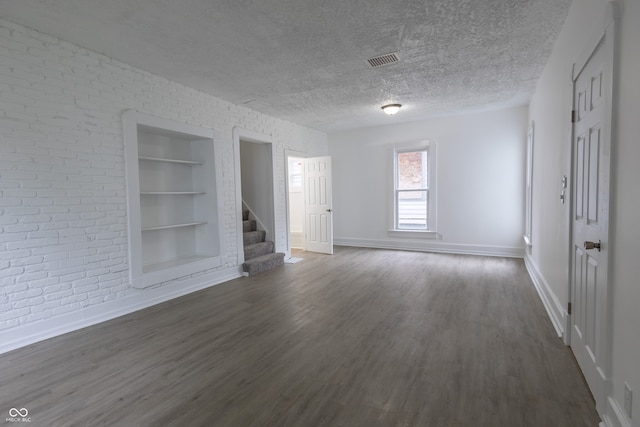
<point x="389" y="58"/>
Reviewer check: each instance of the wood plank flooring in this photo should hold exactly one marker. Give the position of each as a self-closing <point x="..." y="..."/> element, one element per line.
<point x="361" y="338"/>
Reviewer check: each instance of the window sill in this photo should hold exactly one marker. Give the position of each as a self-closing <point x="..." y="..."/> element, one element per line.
<point x="415" y="234"/>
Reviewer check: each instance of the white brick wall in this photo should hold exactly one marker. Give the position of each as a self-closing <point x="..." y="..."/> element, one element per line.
<point x="63" y="225"/>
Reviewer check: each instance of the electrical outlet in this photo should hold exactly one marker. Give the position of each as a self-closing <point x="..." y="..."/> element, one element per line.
<point x="628" y="399"/>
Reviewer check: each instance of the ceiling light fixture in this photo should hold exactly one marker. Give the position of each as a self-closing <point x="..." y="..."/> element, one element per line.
<point x="391" y="109"/>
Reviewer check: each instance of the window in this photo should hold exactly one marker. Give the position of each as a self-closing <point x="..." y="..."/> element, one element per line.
<point x="414" y="198"/>
<point x="295" y="174"/>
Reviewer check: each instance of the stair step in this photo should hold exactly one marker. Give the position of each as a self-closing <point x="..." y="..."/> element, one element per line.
<point x="257" y="249"/>
<point x="248" y="225"/>
<point x="263" y="263"/>
<point x="251" y="237"/>
<point x="245" y="215"/>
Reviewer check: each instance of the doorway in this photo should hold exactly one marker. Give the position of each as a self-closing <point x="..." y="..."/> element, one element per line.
<point x="309" y="203"/>
<point x="295" y="180"/>
<point x="254" y="177"/>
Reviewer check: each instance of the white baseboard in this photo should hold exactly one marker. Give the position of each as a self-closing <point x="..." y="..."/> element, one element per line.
<point x="431" y="246"/>
<point x="556" y="312"/>
<point x="136" y="300"/>
<point x="615" y="416"/>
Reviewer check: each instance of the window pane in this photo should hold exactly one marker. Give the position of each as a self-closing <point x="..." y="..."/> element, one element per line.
<point x="295" y="174"/>
<point x="412" y="209"/>
<point x="412" y="170"/>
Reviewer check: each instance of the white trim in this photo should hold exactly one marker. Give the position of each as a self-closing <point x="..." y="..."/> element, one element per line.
<point x="615" y="415"/>
<point x="430" y="246"/>
<point x="137" y="299"/>
<point x="130" y="120"/>
<point x="569" y="204"/>
<point x="528" y="226"/>
<point x="557" y="314"/>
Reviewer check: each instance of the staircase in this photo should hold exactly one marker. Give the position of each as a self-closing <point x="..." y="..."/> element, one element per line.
<point x="259" y="255"/>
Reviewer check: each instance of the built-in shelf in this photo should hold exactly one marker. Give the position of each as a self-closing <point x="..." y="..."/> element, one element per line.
<point x="166" y="227"/>
<point x="174" y="223"/>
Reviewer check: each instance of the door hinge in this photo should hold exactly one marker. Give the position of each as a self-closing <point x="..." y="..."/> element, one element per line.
<point x="569" y="309"/>
<point x="573" y="116"/>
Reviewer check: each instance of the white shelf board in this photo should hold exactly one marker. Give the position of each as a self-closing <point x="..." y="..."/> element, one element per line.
<point x="159" y="159"/>
<point x="172" y="269"/>
<point x="173" y="263"/>
<point x="160" y="193"/>
<point x="166" y="227"/>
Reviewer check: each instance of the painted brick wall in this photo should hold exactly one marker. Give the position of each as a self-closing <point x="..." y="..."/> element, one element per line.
<point x="63" y="225"/>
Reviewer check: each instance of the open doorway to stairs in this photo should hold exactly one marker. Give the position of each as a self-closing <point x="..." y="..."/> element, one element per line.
<point x="257" y="237"/>
<point x="256" y="173"/>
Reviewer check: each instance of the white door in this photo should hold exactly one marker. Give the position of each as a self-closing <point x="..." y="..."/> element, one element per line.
<point x="318" y="208"/>
<point x="590" y="217"/>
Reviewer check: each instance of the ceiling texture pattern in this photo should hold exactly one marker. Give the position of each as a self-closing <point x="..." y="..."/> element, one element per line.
<point x="306" y="60"/>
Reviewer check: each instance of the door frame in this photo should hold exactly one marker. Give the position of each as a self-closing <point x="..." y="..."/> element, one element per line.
<point x="606" y="36"/>
<point x="238" y="134"/>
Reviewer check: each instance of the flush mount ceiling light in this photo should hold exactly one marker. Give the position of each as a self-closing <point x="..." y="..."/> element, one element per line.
<point x="391" y="109"/>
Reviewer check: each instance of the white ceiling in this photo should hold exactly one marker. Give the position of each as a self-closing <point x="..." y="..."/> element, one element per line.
<point x="306" y="60"/>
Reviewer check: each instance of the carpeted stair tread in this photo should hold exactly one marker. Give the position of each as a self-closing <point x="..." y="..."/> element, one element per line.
<point x="251" y="237"/>
<point x="258" y="249"/>
<point x="263" y="263"/>
<point x="259" y="254"/>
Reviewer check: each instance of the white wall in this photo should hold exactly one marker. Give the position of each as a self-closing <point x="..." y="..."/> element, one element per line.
<point x="549" y="109"/>
<point x="480" y="182"/>
<point x="63" y="232"/>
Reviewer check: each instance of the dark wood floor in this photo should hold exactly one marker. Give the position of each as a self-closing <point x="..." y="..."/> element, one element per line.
<point x="360" y="338"/>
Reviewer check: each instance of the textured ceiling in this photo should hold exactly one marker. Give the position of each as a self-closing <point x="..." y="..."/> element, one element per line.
<point x="306" y="60"/>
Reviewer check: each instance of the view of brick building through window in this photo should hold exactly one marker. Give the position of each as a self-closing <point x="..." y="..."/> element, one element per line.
<point x="411" y="170"/>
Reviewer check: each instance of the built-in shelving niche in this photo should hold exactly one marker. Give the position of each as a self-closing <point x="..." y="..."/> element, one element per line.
<point x="174" y="206"/>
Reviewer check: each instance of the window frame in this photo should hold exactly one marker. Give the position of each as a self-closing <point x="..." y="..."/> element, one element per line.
<point x="431" y="231"/>
<point x="528" y="226"/>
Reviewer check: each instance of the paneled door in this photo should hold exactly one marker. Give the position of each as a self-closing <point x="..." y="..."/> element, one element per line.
<point x="591" y="148"/>
<point x="318" y="207"/>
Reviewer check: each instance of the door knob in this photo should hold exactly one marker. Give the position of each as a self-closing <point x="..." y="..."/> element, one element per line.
<point x="329" y="210"/>
<point x="592" y="245"/>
